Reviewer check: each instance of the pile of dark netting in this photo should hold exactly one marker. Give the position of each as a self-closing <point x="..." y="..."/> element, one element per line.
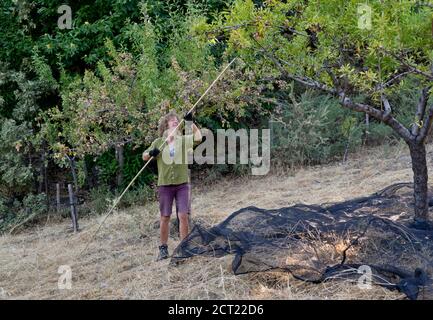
<point x="331" y="241"/>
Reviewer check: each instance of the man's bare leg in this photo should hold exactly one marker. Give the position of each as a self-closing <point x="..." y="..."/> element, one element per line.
<point x="164" y="228"/>
<point x="183" y="225"/>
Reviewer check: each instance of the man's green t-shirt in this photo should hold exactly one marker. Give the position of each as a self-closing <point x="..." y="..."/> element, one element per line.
<point x="173" y="169"/>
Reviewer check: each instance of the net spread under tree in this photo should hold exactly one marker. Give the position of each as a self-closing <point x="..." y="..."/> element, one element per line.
<point x="318" y="243"/>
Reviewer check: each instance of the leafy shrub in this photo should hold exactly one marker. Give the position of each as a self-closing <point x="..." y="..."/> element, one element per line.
<point x="313" y="129"/>
<point x="102" y="198"/>
<point x="19" y="212"/>
<point x="137" y="196"/>
<point x="133" y="162"/>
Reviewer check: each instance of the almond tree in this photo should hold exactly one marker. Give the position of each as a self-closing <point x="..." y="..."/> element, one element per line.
<point x="362" y="54"/>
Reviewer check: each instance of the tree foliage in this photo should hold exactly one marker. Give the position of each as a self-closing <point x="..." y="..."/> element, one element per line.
<point x="87" y="93"/>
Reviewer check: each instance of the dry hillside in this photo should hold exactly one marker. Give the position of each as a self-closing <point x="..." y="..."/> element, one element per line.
<point x="120" y="262"/>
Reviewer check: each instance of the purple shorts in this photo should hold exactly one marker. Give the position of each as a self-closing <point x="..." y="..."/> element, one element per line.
<point x="179" y="192"/>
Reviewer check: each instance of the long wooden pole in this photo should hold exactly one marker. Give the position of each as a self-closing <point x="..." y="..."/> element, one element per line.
<point x="148" y="161"/>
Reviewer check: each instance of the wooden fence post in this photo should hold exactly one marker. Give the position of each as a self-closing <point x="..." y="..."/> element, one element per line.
<point x="58" y="197"/>
<point x="73" y="208"/>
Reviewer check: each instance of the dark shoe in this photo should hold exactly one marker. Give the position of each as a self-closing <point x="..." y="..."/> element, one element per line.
<point x="163" y="252"/>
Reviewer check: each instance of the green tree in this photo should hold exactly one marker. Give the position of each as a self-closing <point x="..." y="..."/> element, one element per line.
<point x="360" y="53"/>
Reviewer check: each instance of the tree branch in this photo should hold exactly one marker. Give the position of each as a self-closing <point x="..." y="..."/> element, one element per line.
<point x="380" y="115"/>
<point x="407" y="64"/>
<point x="387" y="107"/>
<point x="374" y="112"/>
<point x="252" y="23"/>
<point x="334" y="78"/>
<point x="228" y="28"/>
<point x="296" y="31"/>
<point x="384" y="116"/>
<point x="359" y="107"/>
<point x="420" y="111"/>
<point x="427" y="127"/>
<point x="301" y="79"/>
<point x="382" y="86"/>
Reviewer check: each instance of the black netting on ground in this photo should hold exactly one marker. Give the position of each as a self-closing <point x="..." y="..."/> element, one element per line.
<point x="331" y="241"/>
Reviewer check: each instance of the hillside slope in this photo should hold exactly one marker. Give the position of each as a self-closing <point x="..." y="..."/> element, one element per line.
<point x="120" y="262"/>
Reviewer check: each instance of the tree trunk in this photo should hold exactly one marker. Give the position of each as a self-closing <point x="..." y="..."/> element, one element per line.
<point x="420" y="178"/>
<point x="41" y="172"/>
<point x="367" y="129"/>
<point x="120" y="161"/>
<point x="346" y="151"/>
<point x="46" y="184"/>
<point x="74" y="173"/>
<point x="73" y="203"/>
<point x="58" y="197"/>
<point x="87" y="174"/>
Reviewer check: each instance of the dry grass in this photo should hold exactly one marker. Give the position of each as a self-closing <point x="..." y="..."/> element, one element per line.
<point x="120" y="262"/>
